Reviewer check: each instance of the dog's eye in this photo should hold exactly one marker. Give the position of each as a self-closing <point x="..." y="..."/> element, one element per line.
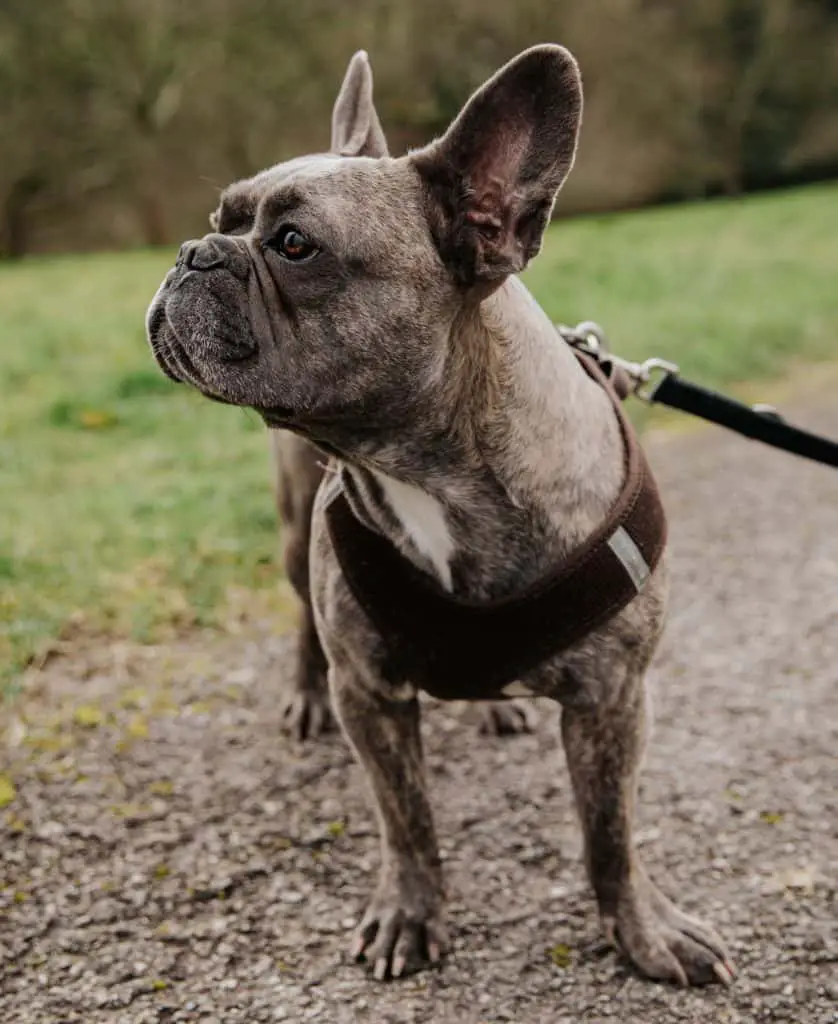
<point x="294" y="246"/>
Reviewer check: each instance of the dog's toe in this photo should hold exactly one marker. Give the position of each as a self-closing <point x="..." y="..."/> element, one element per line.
<point x="306" y="715"/>
<point x="394" y="943"/>
<point x="504" y="718"/>
<point x="668" y="945"/>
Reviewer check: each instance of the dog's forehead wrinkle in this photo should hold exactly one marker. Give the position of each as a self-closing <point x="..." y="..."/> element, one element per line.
<point x="311" y="165"/>
<point x="320" y="173"/>
<point x="246" y="194"/>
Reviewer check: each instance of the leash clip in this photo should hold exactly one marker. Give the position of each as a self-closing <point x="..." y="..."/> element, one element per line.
<point x="645" y="377"/>
<point x="644" y="380"/>
<point x="651" y="374"/>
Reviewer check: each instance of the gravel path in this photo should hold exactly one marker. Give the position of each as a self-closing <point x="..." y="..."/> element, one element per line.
<point x="169" y="858"/>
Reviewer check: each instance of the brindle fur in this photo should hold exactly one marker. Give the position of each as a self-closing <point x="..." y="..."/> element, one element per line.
<point x="409" y="351"/>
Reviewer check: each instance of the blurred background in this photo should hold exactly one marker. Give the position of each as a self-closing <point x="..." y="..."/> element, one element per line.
<point x="121" y="119"/>
<point x="700" y="224"/>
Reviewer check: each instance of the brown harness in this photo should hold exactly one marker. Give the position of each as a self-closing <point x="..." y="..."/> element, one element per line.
<point x="456" y="649"/>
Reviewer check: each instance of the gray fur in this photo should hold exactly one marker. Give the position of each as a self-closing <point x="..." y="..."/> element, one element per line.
<point x="466" y="433"/>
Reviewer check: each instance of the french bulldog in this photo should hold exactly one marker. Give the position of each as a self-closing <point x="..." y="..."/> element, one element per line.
<point x="371" y="306"/>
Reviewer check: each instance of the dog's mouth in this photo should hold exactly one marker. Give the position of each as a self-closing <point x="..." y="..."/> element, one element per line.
<point x="195" y="333"/>
<point x="157" y="330"/>
<point x="173" y="359"/>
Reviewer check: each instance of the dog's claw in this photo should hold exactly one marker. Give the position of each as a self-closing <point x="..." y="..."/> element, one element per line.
<point x="394" y="940"/>
<point x="680" y="975"/>
<point x="666" y="944"/>
<point x="504" y="718"/>
<point x="306" y="714"/>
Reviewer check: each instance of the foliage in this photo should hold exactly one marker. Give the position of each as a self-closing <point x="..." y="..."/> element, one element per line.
<point x="121" y="120"/>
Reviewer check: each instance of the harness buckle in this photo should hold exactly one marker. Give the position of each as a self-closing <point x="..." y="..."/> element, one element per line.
<point x="587" y="336"/>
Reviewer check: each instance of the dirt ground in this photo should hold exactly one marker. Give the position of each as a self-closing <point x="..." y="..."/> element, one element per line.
<point x="170" y="858"/>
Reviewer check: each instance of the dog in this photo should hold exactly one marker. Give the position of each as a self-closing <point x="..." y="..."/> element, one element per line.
<point x="371" y="306"/>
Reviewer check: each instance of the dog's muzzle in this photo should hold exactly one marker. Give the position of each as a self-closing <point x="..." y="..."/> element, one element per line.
<point x="197" y="319"/>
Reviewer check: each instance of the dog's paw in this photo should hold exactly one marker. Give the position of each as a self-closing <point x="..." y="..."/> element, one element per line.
<point x="504" y="718"/>
<point x="666" y="944"/>
<point x="395" y="938"/>
<point x="304" y="713"/>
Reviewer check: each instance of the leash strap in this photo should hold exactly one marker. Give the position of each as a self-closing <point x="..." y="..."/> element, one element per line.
<point x="658" y="382"/>
<point x="760" y="423"/>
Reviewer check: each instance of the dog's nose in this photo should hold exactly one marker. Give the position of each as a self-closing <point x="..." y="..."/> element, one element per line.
<point x="201" y="254"/>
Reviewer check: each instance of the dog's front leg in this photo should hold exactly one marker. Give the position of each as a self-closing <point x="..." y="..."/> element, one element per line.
<point x="403" y="926"/>
<point x="604" y="746"/>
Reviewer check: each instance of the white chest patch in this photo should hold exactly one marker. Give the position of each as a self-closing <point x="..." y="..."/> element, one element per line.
<point x="423" y="520"/>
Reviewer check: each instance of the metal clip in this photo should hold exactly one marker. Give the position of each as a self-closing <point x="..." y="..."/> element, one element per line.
<point x="587" y="336"/>
<point x="590" y="338"/>
<point x="593" y="336"/>
<point x="652" y="373"/>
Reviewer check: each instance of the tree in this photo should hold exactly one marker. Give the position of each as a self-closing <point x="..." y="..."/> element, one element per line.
<point x="47" y="92"/>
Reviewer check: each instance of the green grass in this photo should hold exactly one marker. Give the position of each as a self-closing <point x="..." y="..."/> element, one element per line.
<point x="731" y="290"/>
<point x="129" y="506"/>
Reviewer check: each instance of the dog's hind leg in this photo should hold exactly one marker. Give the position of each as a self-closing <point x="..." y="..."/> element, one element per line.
<point x="604" y="747"/>
<point x="305" y="709"/>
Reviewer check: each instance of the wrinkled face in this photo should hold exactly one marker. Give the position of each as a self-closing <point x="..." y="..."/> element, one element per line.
<point x="326" y="294"/>
<point x="319" y="295"/>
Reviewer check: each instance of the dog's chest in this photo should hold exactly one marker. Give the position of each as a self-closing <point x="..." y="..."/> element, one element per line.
<point x="404" y="511"/>
<point x="422" y="519"/>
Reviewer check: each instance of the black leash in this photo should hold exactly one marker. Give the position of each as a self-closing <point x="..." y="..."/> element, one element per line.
<point x="658" y="382"/>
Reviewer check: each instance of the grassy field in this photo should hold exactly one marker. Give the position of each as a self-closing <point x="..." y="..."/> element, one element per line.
<point x="129" y="506"/>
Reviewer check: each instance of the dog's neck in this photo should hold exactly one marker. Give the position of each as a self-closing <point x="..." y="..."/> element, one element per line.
<point x="515" y="460"/>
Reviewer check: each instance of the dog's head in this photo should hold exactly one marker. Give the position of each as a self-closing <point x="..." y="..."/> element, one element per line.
<point x="325" y="295"/>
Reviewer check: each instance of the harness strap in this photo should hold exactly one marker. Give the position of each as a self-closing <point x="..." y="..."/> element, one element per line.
<point x="457" y="649"/>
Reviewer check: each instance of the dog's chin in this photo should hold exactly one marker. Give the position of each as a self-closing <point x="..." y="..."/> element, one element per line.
<point x="172" y="356"/>
<point x="197" y="346"/>
<point x="207" y="345"/>
<point x="277" y="417"/>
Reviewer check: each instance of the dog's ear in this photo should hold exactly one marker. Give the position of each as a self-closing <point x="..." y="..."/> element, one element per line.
<point x="494" y="175"/>
<point x="356" y="130"/>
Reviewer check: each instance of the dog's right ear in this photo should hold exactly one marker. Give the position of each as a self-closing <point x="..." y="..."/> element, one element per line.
<point x="356" y="130"/>
<point x="494" y="175"/>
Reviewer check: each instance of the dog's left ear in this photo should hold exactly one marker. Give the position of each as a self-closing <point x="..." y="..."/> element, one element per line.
<point x="356" y="130"/>
<point x="494" y="176"/>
